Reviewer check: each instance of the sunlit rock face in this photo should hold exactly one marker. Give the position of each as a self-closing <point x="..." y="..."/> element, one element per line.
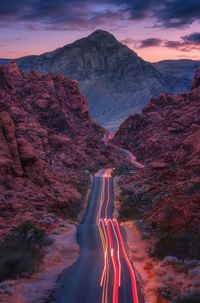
<point x="47" y="140"/>
<point x="166" y="137"/>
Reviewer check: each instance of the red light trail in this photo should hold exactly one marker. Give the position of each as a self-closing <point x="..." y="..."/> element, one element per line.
<point x="113" y="248"/>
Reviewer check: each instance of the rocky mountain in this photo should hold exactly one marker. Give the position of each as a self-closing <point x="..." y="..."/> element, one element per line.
<point x="166" y="138"/>
<point x="47" y="142"/>
<point x="113" y="78"/>
<point x="177" y="73"/>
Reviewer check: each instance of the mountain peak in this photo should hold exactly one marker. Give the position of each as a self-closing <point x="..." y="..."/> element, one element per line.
<point x="110" y="74"/>
<point x="100" y="35"/>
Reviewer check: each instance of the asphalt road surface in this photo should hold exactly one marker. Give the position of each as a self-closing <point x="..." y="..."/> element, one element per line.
<point x="103" y="272"/>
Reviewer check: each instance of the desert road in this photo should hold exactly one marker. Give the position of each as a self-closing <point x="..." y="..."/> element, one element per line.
<point x="103" y="272"/>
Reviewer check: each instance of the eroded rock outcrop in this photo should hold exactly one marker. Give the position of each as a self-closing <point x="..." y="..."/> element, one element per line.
<point x="166" y="137"/>
<point x="47" y="140"/>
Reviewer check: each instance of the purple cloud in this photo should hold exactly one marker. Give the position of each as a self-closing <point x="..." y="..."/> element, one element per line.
<point x="71" y="14"/>
<point x="150" y="42"/>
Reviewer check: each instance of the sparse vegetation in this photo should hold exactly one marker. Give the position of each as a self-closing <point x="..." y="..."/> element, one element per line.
<point x="193" y="189"/>
<point x="123" y="170"/>
<point x="190" y="297"/>
<point x="168" y="212"/>
<point x="21" y="251"/>
<point x="83" y="185"/>
<point x="133" y="205"/>
<point x="74" y="208"/>
<point x="129" y="208"/>
<point x="93" y="169"/>
<point x="183" y="245"/>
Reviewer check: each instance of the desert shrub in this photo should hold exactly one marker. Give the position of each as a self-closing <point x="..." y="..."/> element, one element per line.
<point x="70" y="210"/>
<point x="8" y="196"/>
<point x="129" y="208"/>
<point x="193" y="189"/>
<point x="191" y="297"/>
<point x="83" y="185"/>
<point x="133" y="206"/>
<point x="73" y="209"/>
<point x="21" y="251"/>
<point x="168" y="212"/>
<point x="183" y="245"/>
<point x="123" y="170"/>
<point x="93" y="169"/>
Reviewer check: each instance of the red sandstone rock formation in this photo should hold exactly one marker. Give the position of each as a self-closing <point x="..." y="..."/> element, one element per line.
<point x="166" y="138"/>
<point x="47" y="140"/>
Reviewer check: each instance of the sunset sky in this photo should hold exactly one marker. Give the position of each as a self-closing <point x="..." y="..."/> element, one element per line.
<point x="156" y="30"/>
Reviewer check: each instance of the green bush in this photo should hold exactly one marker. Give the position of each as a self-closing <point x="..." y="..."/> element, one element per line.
<point x="21" y="251"/>
<point x="191" y="297"/>
<point x="183" y="245"/>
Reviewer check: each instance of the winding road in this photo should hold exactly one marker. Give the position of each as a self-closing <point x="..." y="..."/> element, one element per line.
<point x="103" y="272"/>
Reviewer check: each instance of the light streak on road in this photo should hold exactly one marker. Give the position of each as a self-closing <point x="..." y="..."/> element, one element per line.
<point x="105" y="274"/>
<point x="118" y="252"/>
<point x="114" y="262"/>
<point x="113" y="248"/>
<point x="132" y="273"/>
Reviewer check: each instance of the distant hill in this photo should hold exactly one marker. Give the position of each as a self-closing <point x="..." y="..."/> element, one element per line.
<point x="177" y="73"/>
<point x="5" y="60"/>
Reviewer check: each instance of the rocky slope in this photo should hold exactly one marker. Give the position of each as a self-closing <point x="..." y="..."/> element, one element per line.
<point x="166" y="137"/>
<point x="112" y="77"/>
<point x="177" y="73"/>
<point x="47" y="141"/>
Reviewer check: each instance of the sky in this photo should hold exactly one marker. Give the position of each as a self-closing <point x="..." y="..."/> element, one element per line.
<point x="155" y="29"/>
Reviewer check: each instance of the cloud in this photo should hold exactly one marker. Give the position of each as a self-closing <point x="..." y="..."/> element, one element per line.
<point x="193" y="38"/>
<point x="128" y="41"/>
<point x="59" y="14"/>
<point x="165" y="13"/>
<point x="178" y="13"/>
<point x="188" y="57"/>
<point x="150" y="42"/>
<point x="9" y="41"/>
<point x="78" y="14"/>
<point x="173" y="44"/>
<point x="186" y="44"/>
